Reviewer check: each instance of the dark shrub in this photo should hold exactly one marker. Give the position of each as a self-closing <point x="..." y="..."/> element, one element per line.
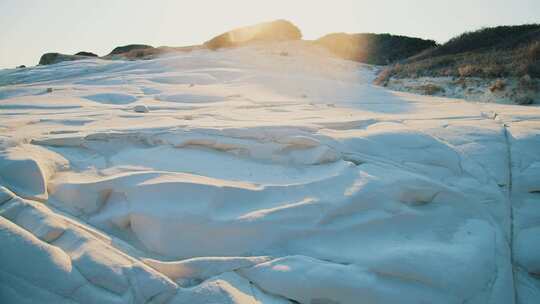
<point x="431" y="89"/>
<point x="87" y="54"/>
<point x="534" y="51"/>
<point x="534" y="69"/>
<point x="48" y="58"/>
<point x="129" y="47"/>
<point x="378" y="49"/>
<point x="493" y="70"/>
<point x="500" y="37"/>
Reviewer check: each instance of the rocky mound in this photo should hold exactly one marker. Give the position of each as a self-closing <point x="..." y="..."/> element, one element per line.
<point x="150" y="52"/>
<point x="87" y="54"/>
<point x="128" y="48"/>
<point x="279" y="30"/>
<point x="52" y="58"/>
<point x="374" y="48"/>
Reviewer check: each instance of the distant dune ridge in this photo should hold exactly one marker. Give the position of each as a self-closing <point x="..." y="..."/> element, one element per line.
<point x="378" y="49"/>
<point x="52" y="58"/>
<point x="367" y="48"/>
<point x="499" y="64"/>
<point x="128" y="48"/>
<point x="280" y="30"/>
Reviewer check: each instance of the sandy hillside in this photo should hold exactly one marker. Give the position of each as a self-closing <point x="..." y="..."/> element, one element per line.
<point x="263" y="174"/>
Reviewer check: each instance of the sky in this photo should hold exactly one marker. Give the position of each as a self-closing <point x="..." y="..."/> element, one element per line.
<point x="30" y="28"/>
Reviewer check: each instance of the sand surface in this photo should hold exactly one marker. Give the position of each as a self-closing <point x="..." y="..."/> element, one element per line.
<point x="245" y="176"/>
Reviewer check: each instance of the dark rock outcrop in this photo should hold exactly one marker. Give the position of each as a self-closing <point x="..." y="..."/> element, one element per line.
<point x="129" y="48"/>
<point x="87" y="54"/>
<point x="49" y="58"/>
<point x="374" y="48"/>
<point x="142" y="52"/>
<point x="279" y="30"/>
<point x="52" y="58"/>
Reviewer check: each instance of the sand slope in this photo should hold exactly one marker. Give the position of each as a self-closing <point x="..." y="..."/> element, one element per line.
<point x="260" y="178"/>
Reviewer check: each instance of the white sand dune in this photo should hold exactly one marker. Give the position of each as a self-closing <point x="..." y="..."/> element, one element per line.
<point x="260" y="178"/>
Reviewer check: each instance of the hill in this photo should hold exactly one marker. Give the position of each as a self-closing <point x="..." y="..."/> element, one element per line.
<point x="379" y="49"/>
<point x="370" y="48"/>
<point x="489" y="53"/>
<point x="498" y="64"/>
<point x="279" y="30"/>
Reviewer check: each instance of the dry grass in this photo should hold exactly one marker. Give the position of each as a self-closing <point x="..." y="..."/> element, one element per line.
<point x="468" y="70"/>
<point x="491" y="64"/>
<point x="499" y="52"/>
<point x="383" y="77"/>
<point x="431" y="89"/>
<point x="499" y="85"/>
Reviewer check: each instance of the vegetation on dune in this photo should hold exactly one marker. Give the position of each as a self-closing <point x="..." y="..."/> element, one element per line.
<point x="128" y="48"/>
<point x="497" y="52"/>
<point x="494" y="38"/>
<point x="52" y="58"/>
<point x="370" y="48"/>
<point x="504" y="51"/>
<point x="87" y="54"/>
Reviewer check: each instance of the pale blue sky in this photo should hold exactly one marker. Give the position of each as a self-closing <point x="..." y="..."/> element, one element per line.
<point x="29" y="28"/>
